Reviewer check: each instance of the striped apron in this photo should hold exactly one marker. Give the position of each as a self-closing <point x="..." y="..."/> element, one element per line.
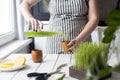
<point x="68" y="17"/>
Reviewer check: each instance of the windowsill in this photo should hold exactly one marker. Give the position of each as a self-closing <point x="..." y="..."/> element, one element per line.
<point x="13" y="47"/>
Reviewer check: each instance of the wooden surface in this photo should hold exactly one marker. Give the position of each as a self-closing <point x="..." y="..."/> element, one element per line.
<point x="49" y="64"/>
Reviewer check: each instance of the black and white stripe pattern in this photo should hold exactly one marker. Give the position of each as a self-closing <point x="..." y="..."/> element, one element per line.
<point x="67" y="16"/>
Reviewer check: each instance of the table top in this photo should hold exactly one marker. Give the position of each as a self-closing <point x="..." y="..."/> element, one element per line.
<point x="49" y="64"/>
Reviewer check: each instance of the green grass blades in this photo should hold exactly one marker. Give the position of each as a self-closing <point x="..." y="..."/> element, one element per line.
<point x="61" y="77"/>
<point x="43" y="34"/>
<point x="85" y="52"/>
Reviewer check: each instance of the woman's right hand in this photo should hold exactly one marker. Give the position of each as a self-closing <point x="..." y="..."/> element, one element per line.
<point x="34" y="24"/>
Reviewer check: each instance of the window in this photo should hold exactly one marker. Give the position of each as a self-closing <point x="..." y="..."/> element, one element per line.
<point x="7" y="16"/>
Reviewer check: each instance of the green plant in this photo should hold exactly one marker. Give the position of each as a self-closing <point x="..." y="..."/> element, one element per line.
<point x="86" y="52"/>
<point x="113" y="23"/>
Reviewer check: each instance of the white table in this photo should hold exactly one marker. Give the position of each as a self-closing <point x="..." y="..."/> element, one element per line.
<point x="49" y="64"/>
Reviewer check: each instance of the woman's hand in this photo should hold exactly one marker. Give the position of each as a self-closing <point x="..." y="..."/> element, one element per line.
<point x="25" y="8"/>
<point x="73" y="44"/>
<point x="34" y="24"/>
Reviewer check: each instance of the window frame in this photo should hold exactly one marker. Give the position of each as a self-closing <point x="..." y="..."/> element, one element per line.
<point x="7" y="37"/>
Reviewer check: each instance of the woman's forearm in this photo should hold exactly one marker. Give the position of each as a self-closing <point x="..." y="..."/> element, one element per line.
<point x="25" y="7"/>
<point x="93" y="14"/>
<point x="90" y="26"/>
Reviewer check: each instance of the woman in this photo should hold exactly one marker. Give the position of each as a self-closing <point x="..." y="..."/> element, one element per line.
<point x="75" y="18"/>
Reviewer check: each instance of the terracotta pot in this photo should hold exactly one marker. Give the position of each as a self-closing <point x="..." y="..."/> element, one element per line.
<point x="37" y="55"/>
<point x="64" y="45"/>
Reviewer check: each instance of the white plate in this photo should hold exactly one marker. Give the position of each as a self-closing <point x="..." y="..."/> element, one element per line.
<point x="14" y="68"/>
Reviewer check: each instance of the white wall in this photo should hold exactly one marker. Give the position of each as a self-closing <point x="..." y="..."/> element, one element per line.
<point x="39" y="41"/>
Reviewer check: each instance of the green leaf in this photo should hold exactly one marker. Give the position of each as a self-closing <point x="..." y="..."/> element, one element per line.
<point x="110" y="30"/>
<point x="104" y="72"/>
<point x="114" y="14"/>
<point x="40" y="34"/>
<point x="61" y="77"/>
<point x="113" y="23"/>
<point x="108" y="38"/>
<point x="43" y="34"/>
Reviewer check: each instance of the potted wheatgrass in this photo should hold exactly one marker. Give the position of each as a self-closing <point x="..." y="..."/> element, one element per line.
<point x="91" y="59"/>
<point x="87" y="54"/>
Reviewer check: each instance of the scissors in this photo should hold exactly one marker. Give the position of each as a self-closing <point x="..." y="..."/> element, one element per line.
<point x="41" y="76"/>
<point x="44" y="76"/>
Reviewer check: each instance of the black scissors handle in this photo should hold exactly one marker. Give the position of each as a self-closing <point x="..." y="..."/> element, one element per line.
<point x="36" y="74"/>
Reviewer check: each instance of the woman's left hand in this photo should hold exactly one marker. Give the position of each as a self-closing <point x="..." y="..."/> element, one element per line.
<point x="73" y="44"/>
